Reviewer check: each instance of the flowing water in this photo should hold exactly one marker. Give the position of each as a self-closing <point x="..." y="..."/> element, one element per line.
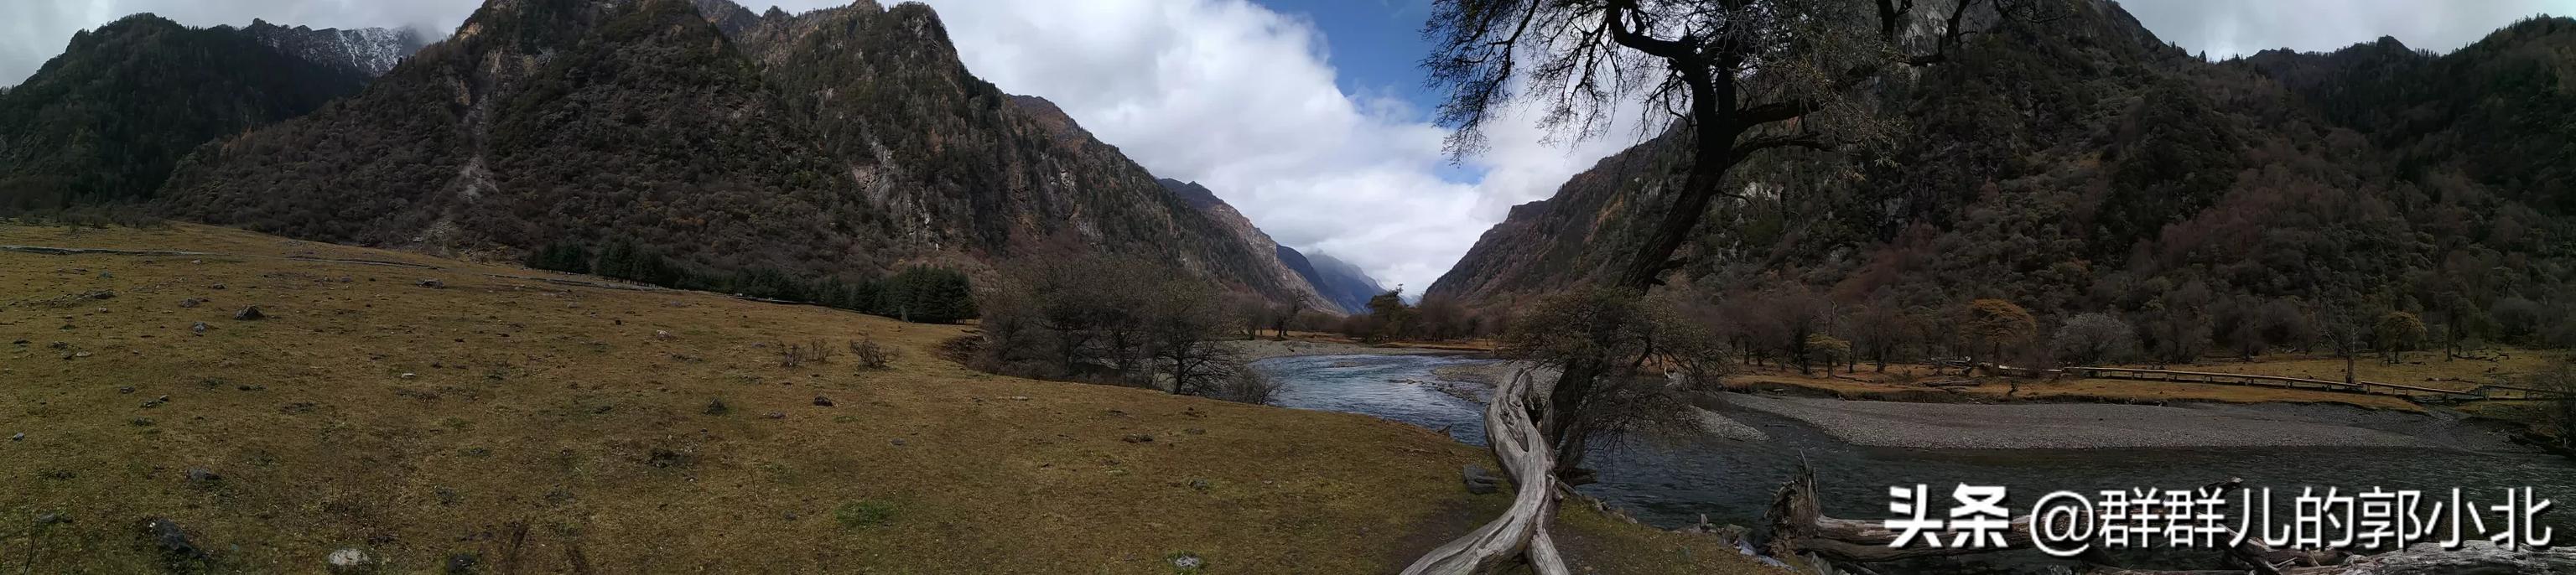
<point x="1674" y="483"/>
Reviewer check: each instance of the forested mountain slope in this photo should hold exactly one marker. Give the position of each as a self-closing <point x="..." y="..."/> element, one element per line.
<point x="710" y="143"/>
<point x="964" y="167"/>
<point x="2078" y="164"/>
<point x="553" y="121"/>
<point x="106" y="120"/>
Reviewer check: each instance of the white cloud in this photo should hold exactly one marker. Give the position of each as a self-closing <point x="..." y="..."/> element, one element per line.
<point x="2225" y="28"/>
<point x="1243" y="99"/>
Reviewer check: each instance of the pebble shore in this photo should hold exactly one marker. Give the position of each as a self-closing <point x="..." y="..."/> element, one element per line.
<point x="2068" y="425"/>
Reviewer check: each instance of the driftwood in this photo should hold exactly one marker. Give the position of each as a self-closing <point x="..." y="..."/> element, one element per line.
<point x="1520" y="535"/>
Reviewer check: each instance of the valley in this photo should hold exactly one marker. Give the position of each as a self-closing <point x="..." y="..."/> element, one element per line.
<point x="653" y="286"/>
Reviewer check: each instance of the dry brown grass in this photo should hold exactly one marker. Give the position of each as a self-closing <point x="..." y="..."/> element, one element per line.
<point x="548" y="428"/>
<point x="2420" y="369"/>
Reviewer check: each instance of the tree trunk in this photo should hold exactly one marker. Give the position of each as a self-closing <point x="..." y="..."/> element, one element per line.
<point x="1521" y="533"/>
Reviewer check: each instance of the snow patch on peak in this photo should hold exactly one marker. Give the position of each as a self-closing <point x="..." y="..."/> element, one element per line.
<point x="369" y="51"/>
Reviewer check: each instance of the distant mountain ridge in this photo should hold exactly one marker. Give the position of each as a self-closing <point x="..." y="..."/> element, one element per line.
<point x="367" y="51"/>
<point x="1267" y="253"/>
<point x="2082" y="165"/>
<point x="1347" y="285"/>
<point x="108" y="119"/>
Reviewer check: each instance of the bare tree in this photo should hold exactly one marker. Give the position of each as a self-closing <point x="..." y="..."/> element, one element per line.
<point x="1741" y="77"/>
<point x="2095" y="338"/>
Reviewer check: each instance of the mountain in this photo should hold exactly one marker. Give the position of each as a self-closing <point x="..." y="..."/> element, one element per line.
<point x="967" y="169"/>
<point x="2496" y="111"/>
<point x="555" y="122"/>
<point x="2079" y="164"/>
<point x="106" y="120"/>
<point x="365" y="51"/>
<point x="720" y="149"/>
<point x="1345" y="284"/>
<point x="1269" y="254"/>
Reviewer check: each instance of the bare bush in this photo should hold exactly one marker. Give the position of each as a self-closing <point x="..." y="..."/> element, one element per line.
<point x="873" y="355"/>
<point x="796" y="354"/>
<point x="1240" y="384"/>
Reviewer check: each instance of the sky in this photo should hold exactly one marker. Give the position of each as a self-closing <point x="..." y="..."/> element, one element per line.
<point x="1309" y="116"/>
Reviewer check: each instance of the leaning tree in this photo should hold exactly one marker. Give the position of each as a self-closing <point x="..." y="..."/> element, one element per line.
<point x="1735" y="77"/>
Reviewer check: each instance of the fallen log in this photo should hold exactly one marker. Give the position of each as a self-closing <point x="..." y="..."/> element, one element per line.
<point x="1520" y="535"/>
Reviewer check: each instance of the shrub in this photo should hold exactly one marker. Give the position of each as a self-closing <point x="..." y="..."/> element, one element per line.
<point x="1241" y="385"/>
<point x="873" y="355"/>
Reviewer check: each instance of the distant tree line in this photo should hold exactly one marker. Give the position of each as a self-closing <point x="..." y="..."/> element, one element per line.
<point x="1794" y="325"/>
<point x="920" y="294"/>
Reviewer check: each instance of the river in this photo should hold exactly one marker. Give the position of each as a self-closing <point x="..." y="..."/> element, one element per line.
<point x="1672" y="483"/>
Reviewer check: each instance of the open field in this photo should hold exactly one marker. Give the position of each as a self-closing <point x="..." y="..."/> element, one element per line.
<point x="541" y="427"/>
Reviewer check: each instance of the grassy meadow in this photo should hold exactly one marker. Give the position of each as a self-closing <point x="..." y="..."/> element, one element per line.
<point x="529" y="426"/>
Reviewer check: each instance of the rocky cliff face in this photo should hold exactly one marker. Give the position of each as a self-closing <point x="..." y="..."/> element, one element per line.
<point x="965" y="169"/>
<point x="368" y="52"/>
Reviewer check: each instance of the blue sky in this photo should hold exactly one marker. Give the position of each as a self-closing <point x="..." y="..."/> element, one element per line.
<point x="1375" y="44"/>
<point x="1377" y="47"/>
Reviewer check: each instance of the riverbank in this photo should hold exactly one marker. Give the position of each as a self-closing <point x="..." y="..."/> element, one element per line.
<point x="2098" y="426"/>
<point x="1260" y="349"/>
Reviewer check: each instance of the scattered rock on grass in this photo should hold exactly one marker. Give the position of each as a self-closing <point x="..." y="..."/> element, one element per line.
<point x="249" y="314"/>
<point x="778" y="415"/>
<point x="1187" y="562"/>
<point x="462" y="563"/>
<point x="200" y="477"/>
<point x="1138" y="438"/>
<point x="171" y="539"/>
<point x="18" y="437"/>
<point x="432" y="284"/>
<point x="199" y="328"/>
<point x="822" y="401"/>
<point x="348" y="560"/>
